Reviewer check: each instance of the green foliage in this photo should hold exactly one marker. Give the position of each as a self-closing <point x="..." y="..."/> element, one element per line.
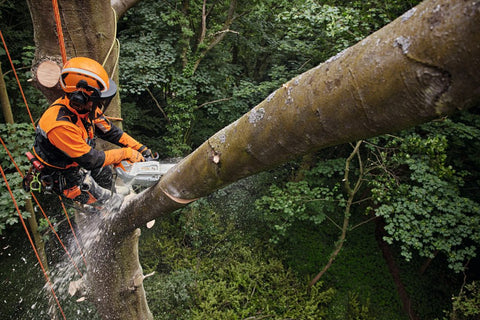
<point x="207" y="270"/>
<point x="419" y="197"/>
<point x="170" y="296"/>
<point x="247" y="285"/>
<point x="267" y="43"/>
<point x="466" y="306"/>
<point x="201" y="225"/>
<point x="312" y="199"/>
<point x="44" y="227"/>
<point x="18" y="138"/>
<point x="312" y="26"/>
<point x="357" y="310"/>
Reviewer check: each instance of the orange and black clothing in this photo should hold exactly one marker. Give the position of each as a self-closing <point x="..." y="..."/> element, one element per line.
<point x="65" y="138"/>
<point x="65" y="142"/>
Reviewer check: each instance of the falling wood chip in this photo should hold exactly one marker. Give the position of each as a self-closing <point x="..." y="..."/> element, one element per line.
<point x="74" y="286"/>
<point x="150" y="224"/>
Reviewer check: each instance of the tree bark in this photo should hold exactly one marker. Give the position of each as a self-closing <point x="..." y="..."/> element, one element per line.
<point x="422" y="66"/>
<point x="4" y="101"/>
<point x="394" y="270"/>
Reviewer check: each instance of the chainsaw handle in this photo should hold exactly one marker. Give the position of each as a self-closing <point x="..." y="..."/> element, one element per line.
<point x="155" y="156"/>
<point x="120" y="165"/>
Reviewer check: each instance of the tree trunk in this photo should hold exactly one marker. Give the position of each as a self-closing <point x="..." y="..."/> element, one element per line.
<point x="422" y="66"/>
<point x="89" y="30"/>
<point x="40" y="245"/>
<point x="4" y="101"/>
<point x="114" y="277"/>
<point x="394" y="270"/>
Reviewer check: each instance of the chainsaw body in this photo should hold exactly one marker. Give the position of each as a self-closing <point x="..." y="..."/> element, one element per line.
<point x="142" y="174"/>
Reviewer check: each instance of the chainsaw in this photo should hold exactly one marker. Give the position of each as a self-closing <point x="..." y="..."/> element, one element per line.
<point x="133" y="177"/>
<point x="141" y="174"/>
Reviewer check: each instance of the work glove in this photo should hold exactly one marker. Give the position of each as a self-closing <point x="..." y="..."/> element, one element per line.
<point x="146" y="152"/>
<point x="132" y="155"/>
<point x="115" y="156"/>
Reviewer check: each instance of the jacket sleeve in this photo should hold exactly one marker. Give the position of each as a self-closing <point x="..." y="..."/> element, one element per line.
<point x="107" y="131"/>
<point x="69" y="140"/>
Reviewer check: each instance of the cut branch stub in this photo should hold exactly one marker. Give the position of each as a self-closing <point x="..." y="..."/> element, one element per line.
<point x="48" y="73"/>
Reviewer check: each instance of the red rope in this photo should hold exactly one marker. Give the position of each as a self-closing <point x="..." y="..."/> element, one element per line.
<point x="31" y="242"/>
<point x="58" y="23"/>
<point x="16" y="76"/>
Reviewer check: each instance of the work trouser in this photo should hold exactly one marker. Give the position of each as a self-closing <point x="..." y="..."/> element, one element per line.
<point x="80" y="185"/>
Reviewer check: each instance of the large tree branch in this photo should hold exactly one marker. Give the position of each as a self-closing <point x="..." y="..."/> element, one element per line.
<point x="121" y="6"/>
<point x="423" y="65"/>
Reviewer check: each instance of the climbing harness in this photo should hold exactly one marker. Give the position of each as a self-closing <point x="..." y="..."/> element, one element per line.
<point x="31" y="181"/>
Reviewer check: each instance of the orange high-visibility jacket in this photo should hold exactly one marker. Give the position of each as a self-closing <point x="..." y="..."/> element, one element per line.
<point x="65" y="138"/>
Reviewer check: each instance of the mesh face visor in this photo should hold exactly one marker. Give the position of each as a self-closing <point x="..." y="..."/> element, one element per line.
<point x="107" y="96"/>
<point x="86" y="93"/>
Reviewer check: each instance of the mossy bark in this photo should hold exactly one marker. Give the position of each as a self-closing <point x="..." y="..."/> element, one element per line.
<point x="6" y="108"/>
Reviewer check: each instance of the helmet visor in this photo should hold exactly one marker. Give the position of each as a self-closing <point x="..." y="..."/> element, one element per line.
<point x="111" y="91"/>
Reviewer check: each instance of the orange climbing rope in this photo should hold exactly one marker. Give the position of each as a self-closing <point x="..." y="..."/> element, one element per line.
<point x="43" y="212"/>
<point x="58" y="23"/>
<point x="16" y="77"/>
<point x="31" y="242"/>
<point x="20" y="172"/>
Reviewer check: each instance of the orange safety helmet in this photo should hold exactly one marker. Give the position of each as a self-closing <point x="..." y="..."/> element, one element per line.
<point x="89" y="70"/>
<point x="83" y="80"/>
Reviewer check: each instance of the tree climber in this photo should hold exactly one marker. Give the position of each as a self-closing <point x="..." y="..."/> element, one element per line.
<point x="65" y="138"/>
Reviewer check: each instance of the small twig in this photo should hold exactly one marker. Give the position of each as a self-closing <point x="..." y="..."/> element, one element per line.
<point x="334" y="223"/>
<point x="346" y="219"/>
<point x="304" y="64"/>
<point x="258" y="318"/>
<point x="363" y="222"/>
<point x="224" y="31"/>
<point x="362" y="200"/>
<point x="158" y="105"/>
<point x="212" y="102"/>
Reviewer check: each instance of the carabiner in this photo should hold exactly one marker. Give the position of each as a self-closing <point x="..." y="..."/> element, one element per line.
<point x="35" y="184"/>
